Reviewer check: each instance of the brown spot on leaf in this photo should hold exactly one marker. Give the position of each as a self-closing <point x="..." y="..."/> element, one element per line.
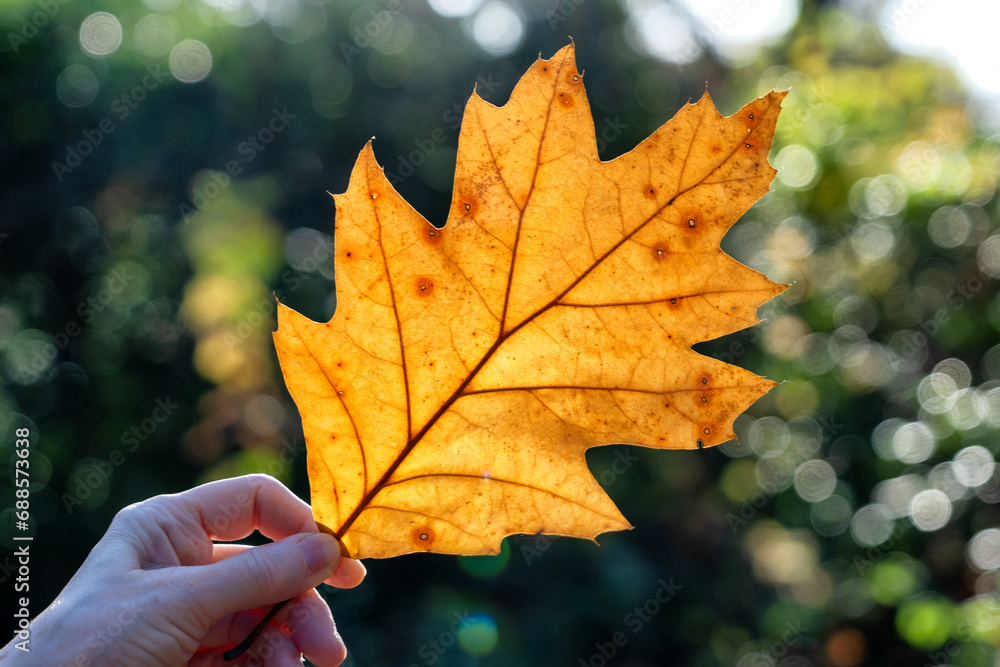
<point x="432" y="235"/>
<point x="692" y="222"/>
<point x="467" y="205"/>
<point x="649" y="193"/>
<point x="424" y="286"/>
<point x="422" y="536"/>
<point x="660" y="251"/>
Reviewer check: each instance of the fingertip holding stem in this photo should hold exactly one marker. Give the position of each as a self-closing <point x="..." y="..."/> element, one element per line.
<point x="321" y="552"/>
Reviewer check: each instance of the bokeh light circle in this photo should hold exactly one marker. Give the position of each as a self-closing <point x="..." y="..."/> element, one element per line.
<point x="913" y="442"/>
<point x="190" y="61"/>
<point x="973" y="465"/>
<point x="455" y="7"/>
<point x="76" y="86"/>
<point x="797" y="166"/>
<point x="154" y="36"/>
<point x="989" y="256"/>
<point x="497" y="28"/>
<point x="100" y="34"/>
<point x="896" y="493"/>
<point x="930" y="510"/>
<point x="871" y="525"/>
<point x="830" y="516"/>
<point x="815" y="480"/>
<point x="479" y="636"/>
<point x="984" y="549"/>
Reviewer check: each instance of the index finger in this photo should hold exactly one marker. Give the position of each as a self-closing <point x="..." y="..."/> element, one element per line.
<point x="231" y="509"/>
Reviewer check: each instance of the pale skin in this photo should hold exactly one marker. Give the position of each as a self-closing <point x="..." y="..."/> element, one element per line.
<point x="156" y="590"/>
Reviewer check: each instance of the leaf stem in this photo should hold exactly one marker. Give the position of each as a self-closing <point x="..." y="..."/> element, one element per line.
<point x="244" y="645"/>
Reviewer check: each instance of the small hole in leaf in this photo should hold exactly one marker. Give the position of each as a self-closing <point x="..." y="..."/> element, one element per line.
<point x="468" y="208"/>
<point x="704" y="399"/>
<point x="673" y="301"/>
<point x="706" y="431"/>
<point x="748" y="145"/>
<point x="704" y="380"/>
<point x="751" y="116"/>
<point x="691" y="222"/>
<point x="576" y="77"/>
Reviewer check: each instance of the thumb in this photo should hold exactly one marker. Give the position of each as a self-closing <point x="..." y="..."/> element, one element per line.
<point x="266" y="574"/>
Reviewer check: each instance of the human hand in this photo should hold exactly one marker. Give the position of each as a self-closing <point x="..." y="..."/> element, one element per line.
<point x="157" y="591"/>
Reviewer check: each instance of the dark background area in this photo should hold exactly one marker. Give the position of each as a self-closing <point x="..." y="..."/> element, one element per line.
<point x="165" y="167"/>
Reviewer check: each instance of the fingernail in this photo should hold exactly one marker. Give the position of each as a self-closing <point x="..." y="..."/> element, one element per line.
<point x="320" y="551"/>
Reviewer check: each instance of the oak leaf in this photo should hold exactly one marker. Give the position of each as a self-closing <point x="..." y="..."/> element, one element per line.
<point x="450" y="400"/>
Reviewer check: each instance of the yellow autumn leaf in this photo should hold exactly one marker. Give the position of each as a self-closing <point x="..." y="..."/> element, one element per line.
<point x="450" y="400"/>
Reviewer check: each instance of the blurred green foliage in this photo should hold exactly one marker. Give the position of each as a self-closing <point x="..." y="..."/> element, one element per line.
<point x="164" y="174"/>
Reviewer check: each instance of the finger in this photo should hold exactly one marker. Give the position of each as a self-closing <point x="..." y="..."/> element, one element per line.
<point x="312" y="628"/>
<point x="262" y="575"/>
<point x="307" y="619"/>
<point x="224" y="551"/>
<point x="231" y="509"/>
<point x="216" y="658"/>
<point x="272" y="649"/>
<point x="232" y="629"/>
<point x="349" y="573"/>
